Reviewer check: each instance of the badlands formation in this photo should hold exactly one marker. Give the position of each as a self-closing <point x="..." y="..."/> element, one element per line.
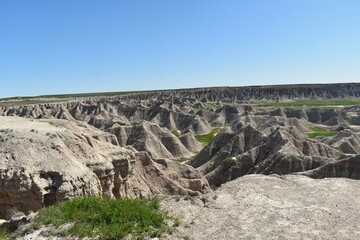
<point x="261" y="176"/>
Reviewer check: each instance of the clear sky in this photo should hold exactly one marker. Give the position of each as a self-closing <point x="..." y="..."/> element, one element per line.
<point x="71" y="46"/>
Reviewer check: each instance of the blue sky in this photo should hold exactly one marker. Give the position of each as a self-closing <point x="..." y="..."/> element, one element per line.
<point x="71" y="46"/>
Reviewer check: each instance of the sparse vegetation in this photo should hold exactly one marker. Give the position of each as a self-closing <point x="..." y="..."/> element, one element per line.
<point x="120" y="123"/>
<point x="177" y="133"/>
<point x="206" y="138"/>
<point x="13" y="101"/>
<point x="107" y="219"/>
<point x="176" y="222"/>
<point x="230" y="158"/>
<point x="189" y="198"/>
<point x="212" y="104"/>
<point x="181" y="160"/>
<point x="320" y="131"/>
<point x="208" y="106"/>
<point x="3" y="234"/>
<point x="306" y="103"/>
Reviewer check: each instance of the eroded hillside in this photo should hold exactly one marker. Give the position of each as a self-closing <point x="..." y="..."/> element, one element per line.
<point x="174" y="142"/>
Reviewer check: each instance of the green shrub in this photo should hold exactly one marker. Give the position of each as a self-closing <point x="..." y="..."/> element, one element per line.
<point x="176" y="222"/>
<point x="108" y="219"/>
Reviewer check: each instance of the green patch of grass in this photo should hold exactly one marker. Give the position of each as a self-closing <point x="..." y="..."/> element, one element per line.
<point x="321" y="134"/>
<point x="320" y="131"/>
<point x="3" y="234"/>
<point x="177" y="133"/>
<point x="307" y="103"/>
<point x="208" y="106"/>
<point x="120" y="123"/>
<point x="106" y="218"/>
<point x="206" y="138"/>
<point x="176" y="222"/>
<point x="181" y="160"/>
<point x="184" y="159"/>
<point x="212" y="104"/>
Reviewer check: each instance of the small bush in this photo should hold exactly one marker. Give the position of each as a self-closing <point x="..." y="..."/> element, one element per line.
<point x="108" y="219"/>
<point x="176" y="222"/>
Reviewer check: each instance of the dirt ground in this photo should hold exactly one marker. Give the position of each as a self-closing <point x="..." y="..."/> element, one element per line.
<point x="271" y="207"/>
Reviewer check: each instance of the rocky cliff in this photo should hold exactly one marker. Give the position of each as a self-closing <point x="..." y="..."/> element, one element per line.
<point x="48" y="161"/>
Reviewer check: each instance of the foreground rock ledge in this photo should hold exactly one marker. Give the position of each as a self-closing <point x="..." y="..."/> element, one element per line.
<point x="272" y="207"/>
<point x="47" y="161"/>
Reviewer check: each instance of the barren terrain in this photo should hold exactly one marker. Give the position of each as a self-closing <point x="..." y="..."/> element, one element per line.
<point x="272" y="207"/>
<point x="274" y="162"/>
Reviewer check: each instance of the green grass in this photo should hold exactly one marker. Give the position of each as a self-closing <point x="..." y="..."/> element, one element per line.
<point x="320" y="132"/>
<point x="176" y="133"/>
<point x="206" y="138"/>
<point x="306" y="103"/>
<point x="213" y="104"/>
<point x="181" y="160"/>
<point x="3" y="234"/>
<point x="108" y="219"/>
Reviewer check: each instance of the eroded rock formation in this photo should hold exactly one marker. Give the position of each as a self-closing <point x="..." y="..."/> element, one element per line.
<point x="47" y="161"/>
<point x="130" y="145"/>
